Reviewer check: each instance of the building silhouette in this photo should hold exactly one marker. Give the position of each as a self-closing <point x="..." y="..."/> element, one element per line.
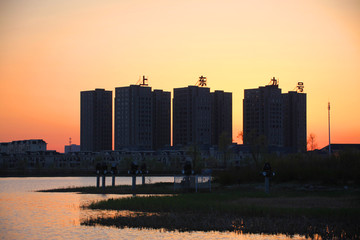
<point x="142" y="117"/>
<point x="274" y="118"/>
<point x="263" y="115"/>
<point x="96" y="120"/>
<point x="221" y="116"/>
<point x="72" y="148"/>
<point x="201" y="117"/>
<point x="295" y="121"/>
<point x="23" y="146"/>
<point x="161" y="118"/>
<point x="191" y="116"/>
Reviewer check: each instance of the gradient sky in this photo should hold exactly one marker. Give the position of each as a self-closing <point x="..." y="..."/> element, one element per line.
<point x="52" y="50"/>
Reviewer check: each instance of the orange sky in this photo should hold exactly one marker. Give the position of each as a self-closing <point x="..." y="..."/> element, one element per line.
<point x="52" y="50"/>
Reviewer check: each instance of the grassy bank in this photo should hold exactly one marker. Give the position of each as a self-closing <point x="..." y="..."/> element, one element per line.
<point x="338" y="205"/>
<point x="329" y="212"/>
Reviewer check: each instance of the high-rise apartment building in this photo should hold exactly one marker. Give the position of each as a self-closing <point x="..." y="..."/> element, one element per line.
<point x="142" y="118"/>
<point x="295" y="121"/>
<point x="221" y="116"/>
<point x="161" y="118"/>
<point x="96" y="120"/>
<point x="192" y="116"/>
<point x="279" y="118"/>
<point x="133" y="117"/>
<point x="263" y="114"/>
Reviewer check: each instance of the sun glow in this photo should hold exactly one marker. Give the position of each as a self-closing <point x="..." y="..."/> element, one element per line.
<point x="53" y="50"/>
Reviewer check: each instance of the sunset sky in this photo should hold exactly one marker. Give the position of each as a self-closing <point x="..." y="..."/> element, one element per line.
<point x="52" y="50"/>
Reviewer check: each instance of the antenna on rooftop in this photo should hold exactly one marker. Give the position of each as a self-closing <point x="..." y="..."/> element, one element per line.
<point x="274" y="82"/>
<point x="201" y="82"/>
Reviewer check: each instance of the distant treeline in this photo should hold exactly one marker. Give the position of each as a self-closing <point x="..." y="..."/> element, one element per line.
<point x="340" y="168"/>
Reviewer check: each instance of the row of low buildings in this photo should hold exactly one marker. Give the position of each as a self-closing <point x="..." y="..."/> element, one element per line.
<point x="14" y="156"/>
<point x="142" y="117"/>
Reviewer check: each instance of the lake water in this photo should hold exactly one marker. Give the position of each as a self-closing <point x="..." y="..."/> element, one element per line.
<point x="26" y="214"/>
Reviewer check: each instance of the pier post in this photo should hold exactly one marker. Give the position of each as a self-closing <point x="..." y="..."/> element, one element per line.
<point x="133" y="188"/>
<point x="98" y="171"/>
<point x="113" y="180"/>
<point x="97" y="180"/>
<point x="143" y="179"/>
<point x="103" y="181"/>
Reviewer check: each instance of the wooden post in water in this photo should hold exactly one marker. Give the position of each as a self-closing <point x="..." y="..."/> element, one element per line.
<point x="113" y="172"/>
<point x="143" y="179"/>
<point x="133" y="188"/>
<point x="103" y="181"/>
<point x="97" y="180"/>
<point x="113" y="180"/>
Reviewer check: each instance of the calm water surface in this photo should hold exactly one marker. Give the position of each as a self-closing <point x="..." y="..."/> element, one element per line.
<point x="25" y="214"/>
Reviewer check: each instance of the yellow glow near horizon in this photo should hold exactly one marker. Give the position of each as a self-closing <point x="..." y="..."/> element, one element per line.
<point x="52" y="50"/>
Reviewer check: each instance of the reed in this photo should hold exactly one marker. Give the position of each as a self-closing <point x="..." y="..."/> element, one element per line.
<point x="307" y="213"/>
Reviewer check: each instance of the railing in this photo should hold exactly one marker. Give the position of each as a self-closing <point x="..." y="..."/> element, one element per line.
<point x="194" y="182"/>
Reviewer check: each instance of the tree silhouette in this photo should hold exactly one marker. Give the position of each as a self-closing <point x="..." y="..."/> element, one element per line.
<point x="258" y="146"/>
<point x="240" y="136"/>
<point x="311" y="142"/>
<point x="224" y="144"/>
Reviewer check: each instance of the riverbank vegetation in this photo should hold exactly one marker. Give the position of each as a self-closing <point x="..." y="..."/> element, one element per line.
<point x="340" y="169"/>
<point x="325" y="211"/>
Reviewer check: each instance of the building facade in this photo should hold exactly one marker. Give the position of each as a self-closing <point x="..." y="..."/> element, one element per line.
<point x="142" y="118"/>
<point x="192" y="116"/>
<point x="263" y="115"/>
<point x="277" y="119"/>
<point x="161" y="119"/>
<point x="72" y="148"/>
<point x="23" y="146"/>
<point x="96" y="120"/>
<point x="221" y="116"/>
<point x="133" y="117"/>
<point x="295" y="121"/>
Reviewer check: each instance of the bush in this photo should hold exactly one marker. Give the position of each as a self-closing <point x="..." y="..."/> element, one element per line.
<point x="342" y="168"/>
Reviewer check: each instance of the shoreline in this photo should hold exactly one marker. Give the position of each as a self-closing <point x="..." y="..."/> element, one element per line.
<point x="154" y="188"/>
<point x="257" y="214"/>
<point x="74" y="174"/>
<point x="308" y="210"/>
<point x="327" y="213"/>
